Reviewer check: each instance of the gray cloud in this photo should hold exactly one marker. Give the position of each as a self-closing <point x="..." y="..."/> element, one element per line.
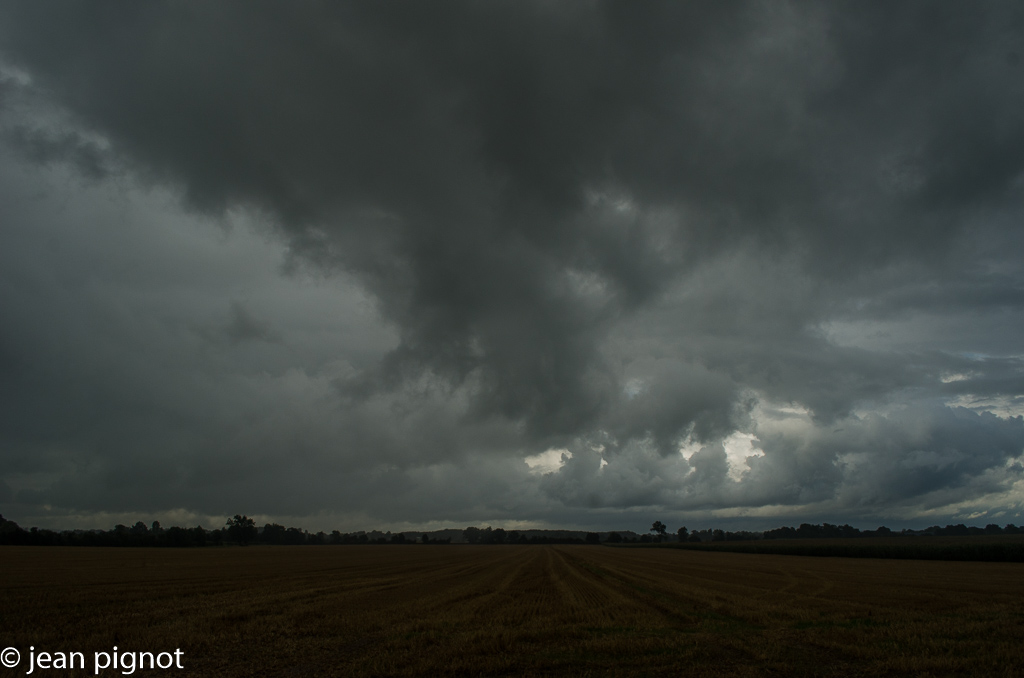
<point x="444" y="238"/>
<point x="245" y="327"/>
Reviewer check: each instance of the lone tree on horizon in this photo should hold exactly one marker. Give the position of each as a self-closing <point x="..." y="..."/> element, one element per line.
<point x="659" y="528"/>
<point x="242" y="529"/>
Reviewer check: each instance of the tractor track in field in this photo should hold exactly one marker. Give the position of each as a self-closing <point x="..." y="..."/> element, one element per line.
<point x="517" y="611"/>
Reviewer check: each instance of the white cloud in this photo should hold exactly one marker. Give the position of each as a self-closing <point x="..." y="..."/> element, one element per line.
<point x="548" y="461"/>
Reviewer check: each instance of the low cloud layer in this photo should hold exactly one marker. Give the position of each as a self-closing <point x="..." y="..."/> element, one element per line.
<point x="360" y="265"/>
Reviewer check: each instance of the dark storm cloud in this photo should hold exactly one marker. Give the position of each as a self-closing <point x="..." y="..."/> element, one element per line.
<point x="66" y="147"/>
<point x="245" y="327"/>
<point x="602" y="224"/>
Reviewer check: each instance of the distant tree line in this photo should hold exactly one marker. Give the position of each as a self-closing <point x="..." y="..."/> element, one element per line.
<point x="240" y="530"/>
<point x="121" y="535"/>
<point x="824" y="531"/>
<point x="486" y="535"/>
<point x="243" y="530"/>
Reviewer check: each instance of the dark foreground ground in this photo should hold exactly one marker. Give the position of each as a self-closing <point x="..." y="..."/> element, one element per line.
<point x="510" y="610"/>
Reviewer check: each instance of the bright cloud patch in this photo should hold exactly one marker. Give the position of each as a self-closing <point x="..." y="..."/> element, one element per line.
<point x="549" y="461"/>
<point x="738" y="447"/>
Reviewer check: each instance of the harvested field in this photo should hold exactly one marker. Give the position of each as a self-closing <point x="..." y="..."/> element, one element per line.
<point x="513" y="610"/>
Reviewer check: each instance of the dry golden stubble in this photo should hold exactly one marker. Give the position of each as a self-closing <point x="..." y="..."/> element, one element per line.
<point x="515" y="610"/>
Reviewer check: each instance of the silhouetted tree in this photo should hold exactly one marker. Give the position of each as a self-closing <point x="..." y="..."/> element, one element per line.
<point x="120" y="534"/>
<point x="593" y="538"/>
<point x="659" y="529"/>
<point x="614" y="538"/>
<point x="682" y="533"/>
<point x="11" y="533"/>
<point x="241" y="529"/>
<point x="273" y="534"/>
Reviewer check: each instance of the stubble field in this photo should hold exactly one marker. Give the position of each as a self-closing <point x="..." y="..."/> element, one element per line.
<point x="512" y="610"/>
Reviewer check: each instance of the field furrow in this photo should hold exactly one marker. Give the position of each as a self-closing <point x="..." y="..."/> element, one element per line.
<point x="515" y="610"/>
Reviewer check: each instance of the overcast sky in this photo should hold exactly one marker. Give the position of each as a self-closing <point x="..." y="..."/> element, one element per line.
<point x="575" y="264"/>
